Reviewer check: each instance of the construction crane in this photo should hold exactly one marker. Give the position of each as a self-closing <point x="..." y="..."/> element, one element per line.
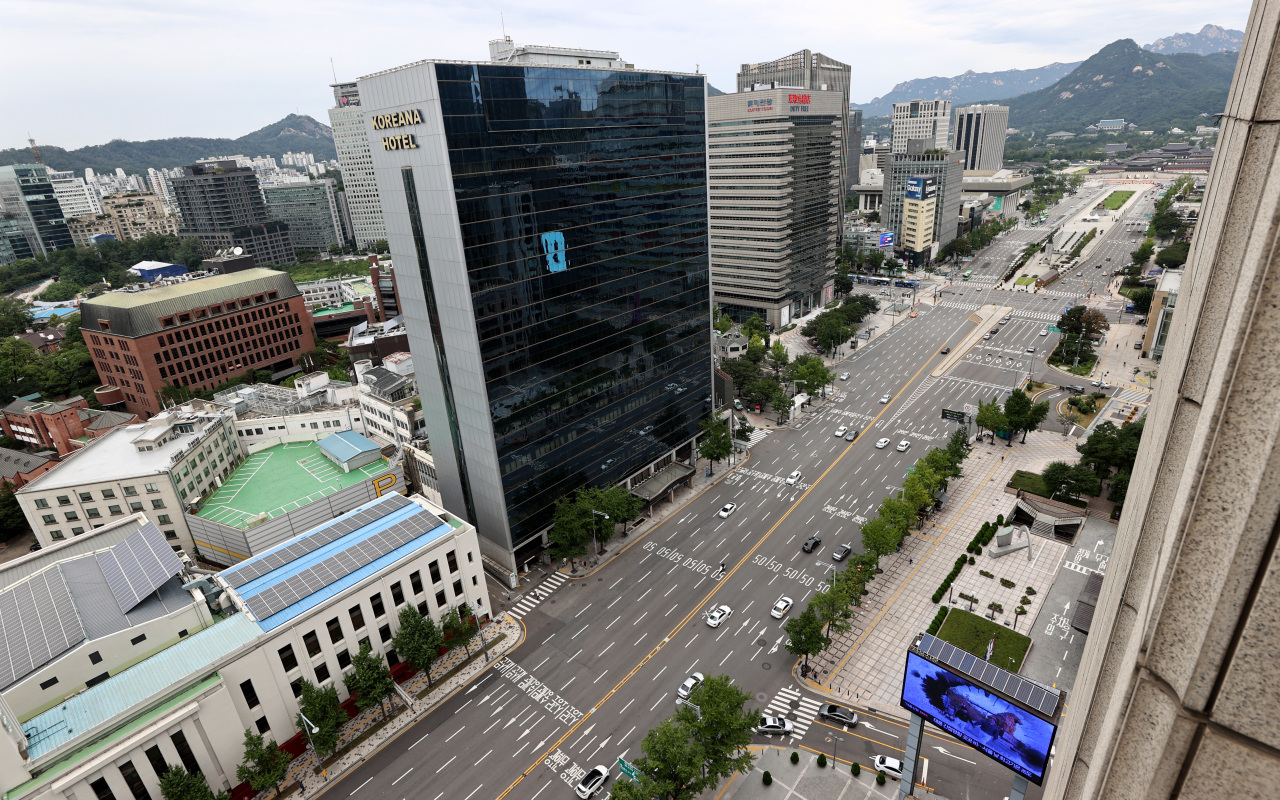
<point x="35" y="151"/>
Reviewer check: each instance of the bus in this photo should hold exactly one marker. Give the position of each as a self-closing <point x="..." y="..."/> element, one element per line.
<point x="967" y="274"/>
<point x="904" y="283"/>
<point x="874" y="281"/>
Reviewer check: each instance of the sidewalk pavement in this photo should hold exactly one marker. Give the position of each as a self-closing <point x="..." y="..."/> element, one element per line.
<point x="803" y="781"/>
<point x="302" y="768"/>
<point x="618" y="544"/>
<point x="864" y="666"/>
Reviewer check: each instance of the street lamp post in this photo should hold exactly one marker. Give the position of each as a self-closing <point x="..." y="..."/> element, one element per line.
<point x="595" y="549"/>
<point x="836" y="745"/>
<point x="310" y="728"/>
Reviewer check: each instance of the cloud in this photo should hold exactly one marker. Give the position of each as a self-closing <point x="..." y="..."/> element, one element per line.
<point x="146" y="69"/>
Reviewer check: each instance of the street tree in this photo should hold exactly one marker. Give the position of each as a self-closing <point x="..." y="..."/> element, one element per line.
<point x="1141" y="299"/>
<point x="714" y="444"/>
<point x="782" y="403"/>
<point x="777" y="358"/>
<point x="1017" y="411"/>
<point x="570" y="534"/>
<point x="178" y="784"/>
<point x="875" y="259"/>
<point x="460" y="628"/>
<point x="264" y="765"/>
<point x="1068" y="417"/>
<point x="756" y="350"/>
<point x="755" y="326"/>
<point x="831" y="605"/>
<point x="369" y="679"/>
<point x="419" y="639"/>
<point x="843" y="283"/>
<point x="809" y="374"/>
<point x="320" y="705"/>
<point x="880" y="535"/>
<point x="805" y="636"/>
<point x="1056" y="476"/>
<point x="1093" y="323"/>
<point x="958" y="446"/>
<point x="622" y="506"/>
<point x="670" y="766"/>
<point x="721" y="728"/>
<point x="744" y="430"/>
<point x="990" y="417"/>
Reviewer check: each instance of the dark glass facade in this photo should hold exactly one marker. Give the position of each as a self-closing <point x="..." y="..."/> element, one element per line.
<point x="582" y="201"/>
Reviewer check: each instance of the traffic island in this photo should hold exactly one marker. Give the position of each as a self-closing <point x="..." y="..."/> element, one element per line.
<point x="985" y="317"/>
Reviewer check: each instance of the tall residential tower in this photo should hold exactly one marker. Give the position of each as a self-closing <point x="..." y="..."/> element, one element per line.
<point x="775" y="188"/>
<point x="548" y="223"/>
<point x="356" y="164"/>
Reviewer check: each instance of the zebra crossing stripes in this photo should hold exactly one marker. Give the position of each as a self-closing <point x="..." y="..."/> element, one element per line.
<point x="959" y="305"/>
<point x="1043" y="316"/>
<point x="1132" y="396"/>
<point x="756" y="436"/>
<point x="801" y="717"/>
<point x="540" y="592"/>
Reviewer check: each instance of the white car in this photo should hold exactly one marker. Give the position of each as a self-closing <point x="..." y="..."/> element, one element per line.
<point x="793" y="478"/>
<point x="1044" y="332"/>
<point x="841" y="431"/>
<point x="1031" y="349"/>
<point x="889" y="766"/>
<point x="882" y="444"/>
<point x="844" y="376"/>
<point x="885" y="399"/>
<point x="718" y="615"/>
<point x="728" y="509"/>
<point x="903" y="445"/>
<point x="775" y="726"/>
<point x="592" y="782"/>
<point x="690" y="683"/>
<point x="781" y="608"/>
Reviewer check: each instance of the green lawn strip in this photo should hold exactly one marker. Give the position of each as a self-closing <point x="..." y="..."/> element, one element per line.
<point x="478" y="654"/>
<point x="1116" y="199"/>
<point x="399" y="709"/>
<point x="971" y="633"/>
<point x="1032" y="483"/>
<point x="1026" y="280"/>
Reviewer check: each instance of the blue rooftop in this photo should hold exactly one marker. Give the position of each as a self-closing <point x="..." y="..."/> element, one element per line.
<point x="432" y="529"/>
<point x="346" y="445"/>
<point x="104" y="703"/>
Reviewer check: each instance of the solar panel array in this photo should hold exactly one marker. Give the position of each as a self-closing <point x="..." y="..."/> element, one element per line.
<point x="338" y="566"/>
<point x="138" y="566"/>
<point x="1032" y="695"/>
<point x="37" y="622"/>
<point x="256" y="568"/>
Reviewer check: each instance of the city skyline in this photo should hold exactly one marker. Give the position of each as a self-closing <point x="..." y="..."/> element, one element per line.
<point x="230" y="91"/>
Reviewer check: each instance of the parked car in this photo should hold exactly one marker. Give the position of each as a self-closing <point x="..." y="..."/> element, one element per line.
<point x="737" y="404"/>
<point x="728" y="509"/>
<point x="592" y="782"/>
<point x="812" y="543"/>
<point x="781" y="607"/>
<point x="840" y="552"/>
<point x="838" y="714"/>
<point x="777" y="726"/>
<point x="889" y="766"/>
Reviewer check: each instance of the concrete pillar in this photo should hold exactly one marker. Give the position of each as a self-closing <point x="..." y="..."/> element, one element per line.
<point x="1178" y="693"/>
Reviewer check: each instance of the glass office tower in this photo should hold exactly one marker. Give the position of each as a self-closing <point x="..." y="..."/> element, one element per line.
<point x="549" y="230"/>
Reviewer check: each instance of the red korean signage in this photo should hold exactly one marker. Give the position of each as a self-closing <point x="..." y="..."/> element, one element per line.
<point x="798" y="98"/>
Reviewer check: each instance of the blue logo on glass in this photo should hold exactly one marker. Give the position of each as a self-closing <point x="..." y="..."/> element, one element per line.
<point x="553" y="246"/>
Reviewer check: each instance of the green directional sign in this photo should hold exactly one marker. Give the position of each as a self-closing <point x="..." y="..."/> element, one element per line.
<point x="628" y="769"/>
<point x="1054" y="329"/>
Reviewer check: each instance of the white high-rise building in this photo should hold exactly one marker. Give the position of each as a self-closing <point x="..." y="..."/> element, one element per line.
<point x="163" y="188"/>
<point x="929" y="120"/>
<point x="352" y="142"/>
<point x="77" y="198"/>
<point x="980" y="133"/>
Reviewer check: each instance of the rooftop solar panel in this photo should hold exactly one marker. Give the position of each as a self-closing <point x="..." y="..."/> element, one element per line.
<point x="38" y="621"/>
<point x="139" y="565"/>
<point x="1031" y="694"/>
<point x="339" y="565"/>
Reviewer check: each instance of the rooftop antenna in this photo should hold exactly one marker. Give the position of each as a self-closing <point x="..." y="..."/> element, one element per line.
<point x="35" y="151"/>
<point x="503" y="20"/>
<point x="335" y="70"/>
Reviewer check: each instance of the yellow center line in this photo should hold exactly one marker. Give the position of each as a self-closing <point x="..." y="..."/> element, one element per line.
<point x="723" y="581"/>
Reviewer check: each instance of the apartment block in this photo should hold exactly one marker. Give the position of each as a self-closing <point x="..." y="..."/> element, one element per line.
<point x="160" y="468"/>
<point x="221" y="205"/>
<point x="195" y="333"/>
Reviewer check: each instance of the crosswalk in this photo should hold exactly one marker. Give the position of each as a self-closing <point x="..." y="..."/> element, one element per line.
<point x="1060" y="293"/>
<point x="1132" y="396"/>
<point x="756" y="436"/>
<point x="801" y="717"/>
<point x="540" y="592"/>
<point x="1043" y="316"/>
<point x="960" y="305"/>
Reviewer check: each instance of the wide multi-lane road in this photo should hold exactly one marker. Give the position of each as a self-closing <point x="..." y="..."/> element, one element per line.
<point x="604" y="655"/>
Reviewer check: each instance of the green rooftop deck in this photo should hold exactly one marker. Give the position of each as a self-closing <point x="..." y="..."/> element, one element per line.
<point x="281" y="479"/>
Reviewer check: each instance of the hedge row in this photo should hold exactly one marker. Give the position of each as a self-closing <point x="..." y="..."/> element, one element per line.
<point x="951" y="576"/>
<point x="938" y="618"/>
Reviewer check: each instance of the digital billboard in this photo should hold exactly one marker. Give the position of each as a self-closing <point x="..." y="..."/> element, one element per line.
<point x="886" y="239"/>
<point x="1010" y="734"/>
<point x="921" y="187"/>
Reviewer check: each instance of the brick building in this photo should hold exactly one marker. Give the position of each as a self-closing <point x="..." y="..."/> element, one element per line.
<point x="18" y="467"/>
<point x="197" y="333"/>
<point x="383" y="277"/>
<point x="62" y="425"/>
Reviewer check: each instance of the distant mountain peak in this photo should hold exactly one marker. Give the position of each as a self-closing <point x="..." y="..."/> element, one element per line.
<point x="968" y="87"/>
<point x="1210" y="39"/>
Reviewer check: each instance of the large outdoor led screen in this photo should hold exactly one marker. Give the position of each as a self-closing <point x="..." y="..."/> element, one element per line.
<point x="1011" y="735"/>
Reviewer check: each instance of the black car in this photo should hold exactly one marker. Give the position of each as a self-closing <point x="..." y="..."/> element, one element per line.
<point x="946" y="350"/>
<point x="1074" y="389"/>
<point x="811" y="543"/>
<point x="841" y="551"/>
<point x="838" y="714"/>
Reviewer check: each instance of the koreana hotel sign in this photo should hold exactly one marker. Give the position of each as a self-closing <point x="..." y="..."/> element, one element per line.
<point x="397" y="119"/>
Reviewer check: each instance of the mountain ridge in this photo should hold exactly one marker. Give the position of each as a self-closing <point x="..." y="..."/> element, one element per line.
<point x="1210" y="39"/>
<point x="968" y="87"/>
<point x="294" y="132"/>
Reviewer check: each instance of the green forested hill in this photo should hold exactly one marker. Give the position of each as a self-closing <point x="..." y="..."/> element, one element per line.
<point x="293" y="133"/>
<point x="1123" y="81"/>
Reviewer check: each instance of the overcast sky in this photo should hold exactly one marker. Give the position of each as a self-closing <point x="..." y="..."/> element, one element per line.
<point x="85" y="72"/>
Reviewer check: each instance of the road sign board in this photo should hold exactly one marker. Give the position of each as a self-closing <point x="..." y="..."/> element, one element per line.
<point x="628" y="769"/>
<point x="954" y="416"/>
<point x="970" y="409"/>
<point x="1054" y="329"/>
